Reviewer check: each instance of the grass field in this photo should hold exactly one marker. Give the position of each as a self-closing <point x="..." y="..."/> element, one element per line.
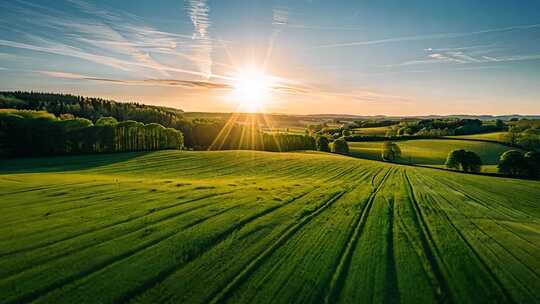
<point x="494" y="136"/>
<point x="289" y="130"/>
<point x="433" y="152"/>
<point x="245" y="227"/>
<point x="375" y="131"/>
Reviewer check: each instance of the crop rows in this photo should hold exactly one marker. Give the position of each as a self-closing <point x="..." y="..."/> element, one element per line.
<point x="244" y="227"/>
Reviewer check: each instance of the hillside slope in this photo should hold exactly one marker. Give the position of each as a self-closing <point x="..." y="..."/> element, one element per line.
<point x="244" y="227"/>
<point x="433" y="152"/>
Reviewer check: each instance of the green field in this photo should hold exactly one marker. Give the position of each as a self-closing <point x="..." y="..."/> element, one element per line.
<point x="494" y="136"/>
<point x="433" y="152"/>
<point x="245" y="227"/>
<point x="375" y="131"/>
<point x="289" y="130"/>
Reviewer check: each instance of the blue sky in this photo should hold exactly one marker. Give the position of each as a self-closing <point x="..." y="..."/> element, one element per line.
<point x="355" y="57"/>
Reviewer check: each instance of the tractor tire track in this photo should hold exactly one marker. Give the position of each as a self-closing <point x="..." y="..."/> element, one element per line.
<point x="211" y="243"/>
<point x="431" y="252"/>
<point x="477" y="254"/>
<point x="483" y="264"/>
<point x="391" y="279"/>
<point x="226" y="292"/>
<point x="451" y="185"/>
<point x="26" y="249"/>
<point x="143" y="226"/>
<point x="36" y="294"/>
<point x="342" y="268"/>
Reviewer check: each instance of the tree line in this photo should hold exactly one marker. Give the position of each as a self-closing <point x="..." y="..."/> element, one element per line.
<point x="234" y="136"/>
<point x="444" y="127"/>
<point x="198" y="134"/>
<point x="410" y="128"/>
<point x="38" y="133"/>
<point x="91" y="108"/>
<point x="522" y="135"/>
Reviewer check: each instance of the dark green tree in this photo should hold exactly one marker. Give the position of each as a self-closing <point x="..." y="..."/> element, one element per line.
<point x="512" y="163"/>
<point x="471" y="162"/>
<point x="512" y="136"/>
<point x="532" y="158"/>
<point x="467" y="161"/>
<point x="340" y="146"/>
<point x="529" y="139"/>
<point x="390" y="151"/>
<point x="323" y="144"/>
<point x="454" y="159"/>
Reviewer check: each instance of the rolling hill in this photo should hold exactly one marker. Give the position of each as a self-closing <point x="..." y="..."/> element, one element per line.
<point x="240" y="226"/>
<point x="375" y="131"/>
<point x="493" y="136"/>
<point x="433" y="152"/>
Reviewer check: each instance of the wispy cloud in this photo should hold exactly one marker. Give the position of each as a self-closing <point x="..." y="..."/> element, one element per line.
<point x="428" y="37"/>
<point x="278" y="87"/>
<point x="65" y="50"/>
<point x="280" y="16"/>
<point x="198" y="12"/>
<point x="466" y="55"/>
<point x="145" y="82"/>
<point x="113" y="38"/>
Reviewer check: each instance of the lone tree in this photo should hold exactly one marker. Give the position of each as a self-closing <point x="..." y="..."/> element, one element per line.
<point x="467" y="161"/>
<point x="512" y="136"/>
<point x="323" y="144"/>
<point x="340" y="146"/>
<point x="390" y="151"/>
<point x="532" y="159"/>
<point x="472" y="162"/>
<point x="512" y="163"/>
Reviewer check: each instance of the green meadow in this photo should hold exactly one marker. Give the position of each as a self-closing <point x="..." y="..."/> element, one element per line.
<point x="493" y="136"/>
<point x="433" y="152"/>
<point x="245" y="227"/>
<point x="374" y="131"/>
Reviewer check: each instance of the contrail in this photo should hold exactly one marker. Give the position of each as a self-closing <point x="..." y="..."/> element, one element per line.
<point x="427" y="37"/>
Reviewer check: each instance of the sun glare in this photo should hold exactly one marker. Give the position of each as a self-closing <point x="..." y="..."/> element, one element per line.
<point x="252" y="90"/>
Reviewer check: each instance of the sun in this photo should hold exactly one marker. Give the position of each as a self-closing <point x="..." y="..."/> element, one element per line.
<point x="252" y="90"/>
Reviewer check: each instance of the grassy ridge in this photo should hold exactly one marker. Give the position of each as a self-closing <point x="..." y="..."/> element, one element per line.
<point x="240" y="226"/>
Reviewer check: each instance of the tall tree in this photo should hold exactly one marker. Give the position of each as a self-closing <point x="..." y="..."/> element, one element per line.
<point x="323" y="144"/>
<point x="467" y="161"/>
<point x="390" y="151"/>
<point x="340" y="146"/>
<point x="512" y="163"/>
<point x="532" y="159"/>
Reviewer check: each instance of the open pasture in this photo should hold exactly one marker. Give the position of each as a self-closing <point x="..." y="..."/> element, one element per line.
<point x="245" y="227"/>
<point x="433" y="152"/>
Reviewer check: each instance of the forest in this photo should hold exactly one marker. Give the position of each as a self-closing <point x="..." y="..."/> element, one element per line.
<point x="38" y="133"/>
<point x="77" y="125"/>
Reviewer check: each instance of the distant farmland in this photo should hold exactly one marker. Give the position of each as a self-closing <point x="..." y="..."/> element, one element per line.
<point x="494" y="136"/>
<point x="433" y="152"/>
<point x="375" y="131"/>
<point x="244" y="227"/>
